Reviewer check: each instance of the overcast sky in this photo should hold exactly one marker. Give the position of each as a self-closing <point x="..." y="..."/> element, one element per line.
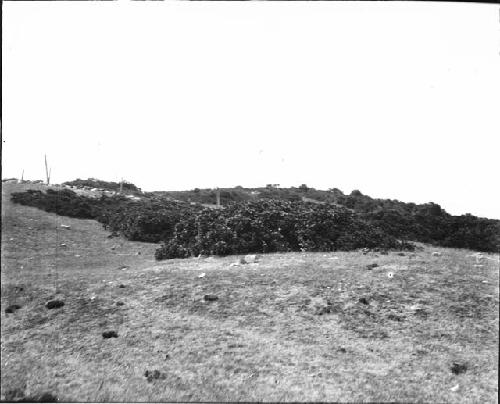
<point x="398" y="100"/>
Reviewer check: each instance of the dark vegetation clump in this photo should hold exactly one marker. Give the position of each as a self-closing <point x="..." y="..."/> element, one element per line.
<point x="109" y="334"/>
<point x="269" y="219"/>
<point x="151" y="219"/>
<point x="458" y="368"/>
<point x="266" y="226"/>
<point x="151" y="375"/>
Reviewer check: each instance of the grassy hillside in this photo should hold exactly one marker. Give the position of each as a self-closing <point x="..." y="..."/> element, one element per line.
<point x="293" y="327"/>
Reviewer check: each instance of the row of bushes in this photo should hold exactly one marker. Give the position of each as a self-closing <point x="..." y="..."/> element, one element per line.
<point x="272" y="226"/>
<point x="150" y="220"/>
<point x="267" y="225"/>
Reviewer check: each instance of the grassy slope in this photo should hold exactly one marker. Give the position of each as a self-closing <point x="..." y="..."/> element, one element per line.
<point x="262" y="340"/>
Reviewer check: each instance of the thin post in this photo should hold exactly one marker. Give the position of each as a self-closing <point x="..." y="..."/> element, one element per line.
<point x="121" y="186"/>
<point x="47" y="172"/>
<point x="22" y="176"/>
<point x="217" y="197"/>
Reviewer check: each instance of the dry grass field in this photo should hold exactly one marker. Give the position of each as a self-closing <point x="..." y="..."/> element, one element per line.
<point x="293" y="327"/>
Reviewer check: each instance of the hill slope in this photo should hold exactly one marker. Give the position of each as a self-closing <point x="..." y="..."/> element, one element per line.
<point x="294" y="327"/>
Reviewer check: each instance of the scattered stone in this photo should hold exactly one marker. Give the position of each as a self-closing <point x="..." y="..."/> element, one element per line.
<point x="121" y="286"/>
<point x="363" y="300"/>
<point x="167" y="356"/>
<point x="436" y="254"/>
<point x="123" y="267"/>
<point x="458" y="368"/>
<point x="202" y="275"/>
<point x="138" y="253"/>
<point x="54" y="304"/>
<point x="234" y="264"/>
<point x="120" y="303"/>
<point x="154" y="375"/>
<point x="390" y="275"/>
<point x="236" y="346"/>
<point x="12" y="308"/>
<point x="63" y="244"/>
<point x="342" y="350"/>
<point x="401" y="254"/>
<point x="109" y="334"/>
<point x="77" y="255"/>
<point x="334" y="258"/>
<point x="455" y="388"/>
<point x="65" y="226"/>
<point x="371" y="266"/>
<point x="113" y="248"/>
<point x="211" y="298"/>
<point x="248" y="259"/>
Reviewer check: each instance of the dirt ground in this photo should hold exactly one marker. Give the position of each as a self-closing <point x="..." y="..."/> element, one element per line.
<point x="293" y="327"/>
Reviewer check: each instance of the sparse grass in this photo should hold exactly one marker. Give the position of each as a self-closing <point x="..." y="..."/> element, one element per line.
<point x="291" y="328"/>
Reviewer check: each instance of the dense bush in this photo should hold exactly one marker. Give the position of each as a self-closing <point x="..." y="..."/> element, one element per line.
<point x="150" y="220"/>
<point x="64" y="202"/>
<point x="271" y="219"/>
<point x="271" y="226"/>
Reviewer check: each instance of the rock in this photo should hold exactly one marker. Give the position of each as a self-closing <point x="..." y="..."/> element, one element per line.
<point x="121" y="286"/>
<point x="109" y="334"/>
<point x="342" y="350"/>
<point x="120" y="303"/>
<point x="12" y="308"/>
<point x="77" y="255"/>
<point x="202" y="275"/>
<point x="458" y="368"/>
<point x="334" y="258"/>
<point x="138" y="253"/>
<point x="210" y="298"/>
<point x="249" y="259"/>
<point x="455" y="388"/>
<point x="63" y="244"/>
<point x="436" y="254"/>
<point x="123" y="267"/>
<point x="234" y="264"/>
<point x="371" y="266"/>
<point x="401" y="254"/>
<point x="65" y="226"/>
<point x="363" y="300"/>
<point x="54" y="304"/>
<point x="390" y="275"/>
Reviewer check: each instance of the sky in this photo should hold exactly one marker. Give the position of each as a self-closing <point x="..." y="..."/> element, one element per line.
<point x="399" y="100"/>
